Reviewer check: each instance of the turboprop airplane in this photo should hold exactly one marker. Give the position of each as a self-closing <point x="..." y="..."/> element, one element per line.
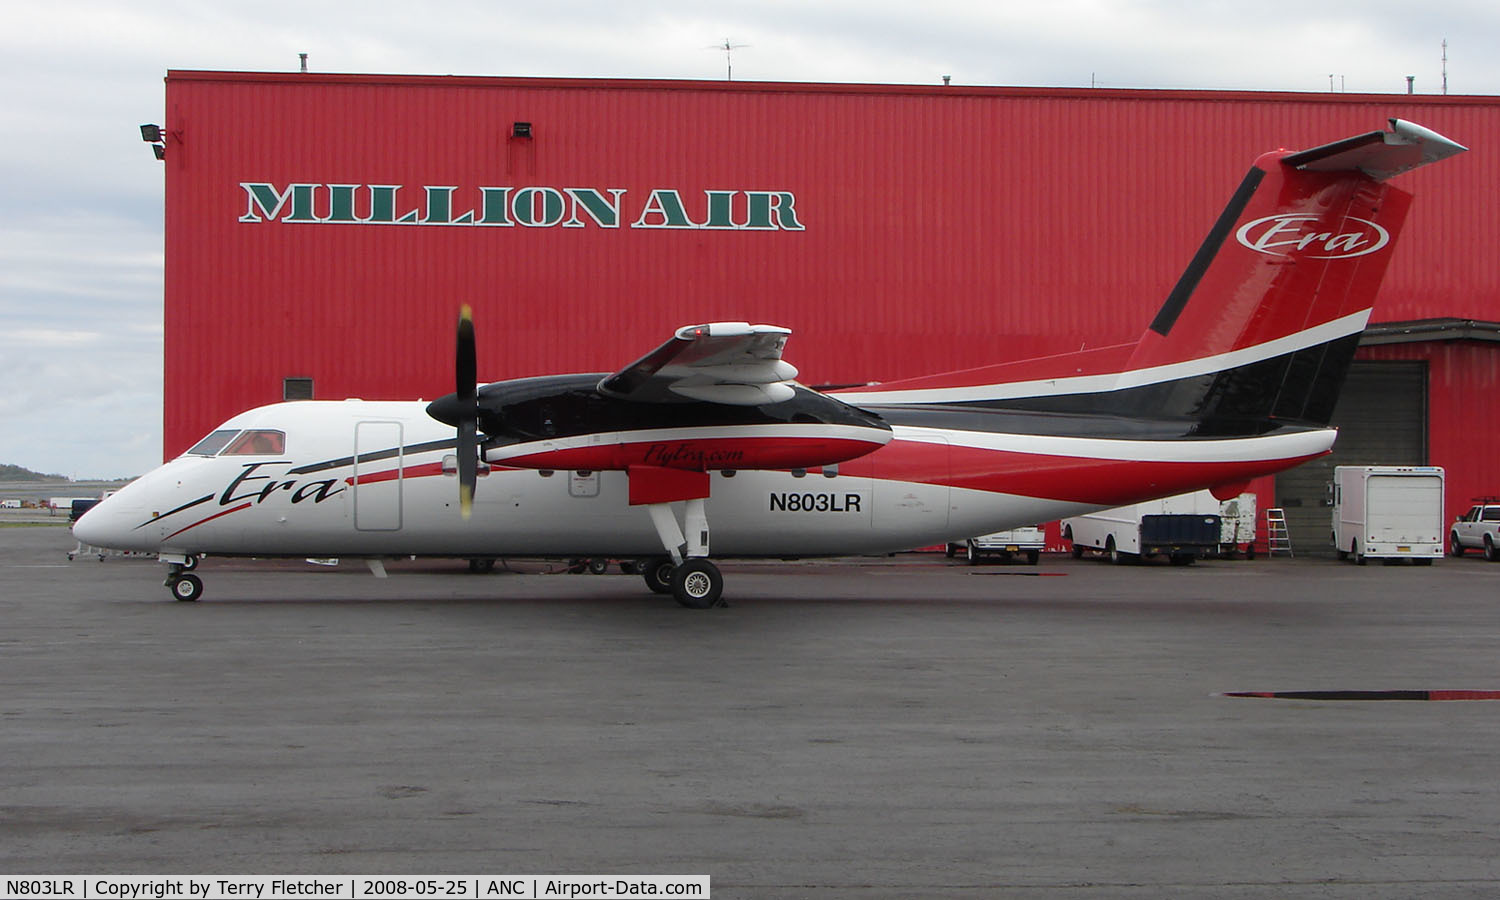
<point x="1236" y="377"/>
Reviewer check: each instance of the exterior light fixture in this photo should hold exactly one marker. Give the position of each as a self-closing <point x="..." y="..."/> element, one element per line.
<point x="152" y="134"/>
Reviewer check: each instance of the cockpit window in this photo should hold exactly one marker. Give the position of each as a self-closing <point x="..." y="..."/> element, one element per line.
<point x="213" y="443"/>
<point x="257" y="443"/>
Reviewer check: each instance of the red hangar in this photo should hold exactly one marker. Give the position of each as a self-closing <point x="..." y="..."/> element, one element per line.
<point x="322" y="230"/>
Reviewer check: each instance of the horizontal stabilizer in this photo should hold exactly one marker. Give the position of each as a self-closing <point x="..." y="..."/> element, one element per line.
<point x="1379" y="154"/>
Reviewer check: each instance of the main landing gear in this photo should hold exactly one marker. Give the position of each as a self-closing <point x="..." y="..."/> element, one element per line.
<point x="686" y="574"/>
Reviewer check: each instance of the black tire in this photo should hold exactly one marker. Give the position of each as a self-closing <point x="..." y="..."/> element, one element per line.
<point x="598" y="565"/>
<point x="628" y="567"/>
<point x="950" y="550"/>
<point x="1489" y="549"/>
<point x="697" y="584"/>
<point x="186" y="588"/>
<point x="657" y="571"/>
<point x="1033" y="557"/>
<point x="1182" y="559"/>
<point x="1113" y="552"/>
<point x="971" y="553"/>
<point x="188" y="564"/>
<point x="481" y="566"/>
<point x="1359" y="558"/>
<point x="1077" y="551"/>
<point x="1249" y="552"/>
<point x="1454" y="547"/>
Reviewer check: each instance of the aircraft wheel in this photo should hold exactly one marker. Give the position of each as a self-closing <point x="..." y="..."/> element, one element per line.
<point x="971" y="553"/>
<point x="657" y="571"/>
<point x="190" y="563"/>
<point x="186" y="588"/>
<point x="1454" y="547"/>
<point x="697" y="584"/>
<point x="598" y="566"/>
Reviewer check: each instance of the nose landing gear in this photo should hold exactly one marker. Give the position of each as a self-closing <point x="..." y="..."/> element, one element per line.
<point x="183" y="586"/>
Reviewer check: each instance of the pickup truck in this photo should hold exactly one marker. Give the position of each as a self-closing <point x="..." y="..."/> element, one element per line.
<point x="1028" y="541"/>
<point x="1477" y="529"/>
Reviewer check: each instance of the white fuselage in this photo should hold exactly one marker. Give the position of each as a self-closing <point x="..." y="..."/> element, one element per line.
<point x="338" y="489"/>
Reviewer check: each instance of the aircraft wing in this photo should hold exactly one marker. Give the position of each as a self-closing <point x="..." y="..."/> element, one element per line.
<point x="734" y="363"/>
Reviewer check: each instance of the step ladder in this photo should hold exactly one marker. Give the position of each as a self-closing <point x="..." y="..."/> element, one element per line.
<point x="1278" y="539"/>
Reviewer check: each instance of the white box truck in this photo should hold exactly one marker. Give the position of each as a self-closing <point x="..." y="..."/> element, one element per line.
<point x="1388" y="512"/>
<point x="1182" y="528"/>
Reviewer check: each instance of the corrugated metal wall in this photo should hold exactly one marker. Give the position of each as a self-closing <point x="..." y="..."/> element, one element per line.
<point x="943" y="227"/>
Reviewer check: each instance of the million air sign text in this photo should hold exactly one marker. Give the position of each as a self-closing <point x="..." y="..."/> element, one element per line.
<point x="510" y="207"/>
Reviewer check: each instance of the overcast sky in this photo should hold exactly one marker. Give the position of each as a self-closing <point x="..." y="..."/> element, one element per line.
<point x="81" y="205"/>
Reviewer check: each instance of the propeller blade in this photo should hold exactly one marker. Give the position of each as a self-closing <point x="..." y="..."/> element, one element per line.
<point x="468" y="466"/>
<point x="465" y="374"/>
<point x="464" y="359"/>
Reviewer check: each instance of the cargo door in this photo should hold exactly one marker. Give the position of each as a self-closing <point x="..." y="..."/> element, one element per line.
<point x="1405" y="508"/>
<point x="378" y="476"/>
<point x="1382" y="421"/>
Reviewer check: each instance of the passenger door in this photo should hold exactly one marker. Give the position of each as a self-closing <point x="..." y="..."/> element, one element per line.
<point x="378" y="475"/>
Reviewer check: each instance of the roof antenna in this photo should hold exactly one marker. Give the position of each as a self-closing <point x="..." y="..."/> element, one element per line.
<point x="1445" y="66"/>
<point x="728" y="48"/>
<point x="303" y="58"/>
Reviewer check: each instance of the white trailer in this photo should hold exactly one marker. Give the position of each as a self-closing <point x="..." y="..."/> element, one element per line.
<point x="1182" y="528"/>
<point x="1388" y="512"/>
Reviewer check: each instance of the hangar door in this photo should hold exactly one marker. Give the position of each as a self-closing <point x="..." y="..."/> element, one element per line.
<point x="1382" y="421"/>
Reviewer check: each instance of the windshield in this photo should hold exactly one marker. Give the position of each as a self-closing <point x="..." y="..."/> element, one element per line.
<point x="258" y="443"/>
<point x="213" y="443"/>
<point x="233" y="442"/>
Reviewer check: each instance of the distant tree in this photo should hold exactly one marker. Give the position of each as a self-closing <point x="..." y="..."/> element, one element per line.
<point x="9" y="472"/>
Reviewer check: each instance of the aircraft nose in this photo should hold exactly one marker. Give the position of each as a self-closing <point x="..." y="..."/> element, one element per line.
<point x="109" y="524"/>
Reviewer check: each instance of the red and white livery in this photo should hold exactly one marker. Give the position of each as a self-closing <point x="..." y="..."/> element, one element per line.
<point x="1236" y="377"/>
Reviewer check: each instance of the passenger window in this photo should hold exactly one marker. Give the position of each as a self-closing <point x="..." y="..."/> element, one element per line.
<point x="1492" y="514"/>
<point x="258" y="443"/>
<point x="213" y="443"/>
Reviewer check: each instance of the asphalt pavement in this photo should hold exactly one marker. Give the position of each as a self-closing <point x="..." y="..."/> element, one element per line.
<point x="901" y="727"/>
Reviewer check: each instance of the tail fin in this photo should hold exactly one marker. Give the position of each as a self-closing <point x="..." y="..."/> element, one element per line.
<point x="1263" y="325"/>
<point x="1261" y="329"/>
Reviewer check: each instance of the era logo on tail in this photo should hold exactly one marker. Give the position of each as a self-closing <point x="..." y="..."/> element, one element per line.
<point x="1276" y="235"/>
